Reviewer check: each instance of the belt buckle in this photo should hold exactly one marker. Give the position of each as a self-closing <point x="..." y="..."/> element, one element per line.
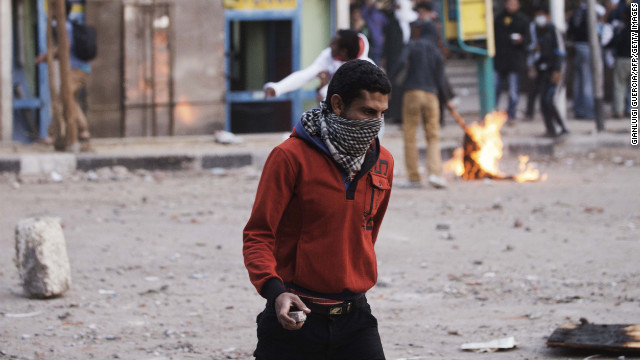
<point x="335" y="310"/>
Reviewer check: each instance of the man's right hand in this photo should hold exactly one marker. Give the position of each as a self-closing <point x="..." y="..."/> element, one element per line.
<point x="283" y="304"/>
<point x="269" y="92"/>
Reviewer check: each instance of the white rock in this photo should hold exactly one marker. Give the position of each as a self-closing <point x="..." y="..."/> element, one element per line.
<point x="41" y="257"/>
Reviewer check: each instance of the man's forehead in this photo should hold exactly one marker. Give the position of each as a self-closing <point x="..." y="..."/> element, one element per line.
<point x="370" y="98"/>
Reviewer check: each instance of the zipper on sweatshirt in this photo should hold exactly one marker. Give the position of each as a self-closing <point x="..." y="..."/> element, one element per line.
<point x="369" y="161"/>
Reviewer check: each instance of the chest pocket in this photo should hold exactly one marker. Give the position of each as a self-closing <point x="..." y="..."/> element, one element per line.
<point x="377" y="187"/>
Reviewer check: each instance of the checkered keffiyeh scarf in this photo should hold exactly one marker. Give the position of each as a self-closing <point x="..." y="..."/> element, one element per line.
<point x="347" y="140"/>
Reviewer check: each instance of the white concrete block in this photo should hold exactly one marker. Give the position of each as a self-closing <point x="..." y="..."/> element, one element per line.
<point x="44" y="164"/>
<point x="41" y="257"/>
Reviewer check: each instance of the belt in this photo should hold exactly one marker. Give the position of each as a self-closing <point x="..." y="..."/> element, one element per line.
<point x="335" y="309"/>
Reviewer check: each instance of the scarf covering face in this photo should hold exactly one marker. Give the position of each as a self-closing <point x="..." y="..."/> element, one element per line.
<point x="347" y="140"/>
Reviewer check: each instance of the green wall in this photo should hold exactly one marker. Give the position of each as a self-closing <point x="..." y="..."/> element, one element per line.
<point x="316" y="33"/>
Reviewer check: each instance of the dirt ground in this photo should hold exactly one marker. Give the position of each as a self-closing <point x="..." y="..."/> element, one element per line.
<point x="158" y="272"/>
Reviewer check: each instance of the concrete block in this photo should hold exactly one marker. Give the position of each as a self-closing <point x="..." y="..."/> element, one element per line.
<point x="9" y="165"/>
<point x="42" y="164"/>
<point x="41" y="257"/>
<point x="226" y="160"/>
<point x="148" y="162"/>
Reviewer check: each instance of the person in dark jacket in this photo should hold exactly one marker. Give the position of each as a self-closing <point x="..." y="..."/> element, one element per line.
<point x="309" y="243"/>
<point x="424" y="89"/>
<point x="622" y="68"/>
<point x="582" y="86"/>
<point x="550" y="67"/>
<point x="511" y="27"/>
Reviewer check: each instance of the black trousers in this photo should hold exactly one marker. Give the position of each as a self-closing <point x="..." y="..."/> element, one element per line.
<point x="353" y="336"/>
<point x="553" y="120"/>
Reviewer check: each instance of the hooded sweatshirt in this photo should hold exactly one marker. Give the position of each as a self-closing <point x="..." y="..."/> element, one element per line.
<point x="311" y="230"/>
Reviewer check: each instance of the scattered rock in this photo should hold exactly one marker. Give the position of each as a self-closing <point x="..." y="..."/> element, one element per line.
<point x="593" y="210"/>
<point x="41" y="257"/>
<point x="55" y="177"/>
<point x="518" y="223"/>
<point x="217" y="171"/>
<point x="64" y="316"/>
<point x="225" y="137"/>
<point x="447" y="236"/>
<point x="443" y="227"/>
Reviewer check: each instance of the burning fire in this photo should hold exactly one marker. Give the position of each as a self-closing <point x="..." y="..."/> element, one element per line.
<point x="481" y="153"/>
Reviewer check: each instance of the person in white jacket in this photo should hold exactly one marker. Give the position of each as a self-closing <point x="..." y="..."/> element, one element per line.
<point x="346" y="45"/>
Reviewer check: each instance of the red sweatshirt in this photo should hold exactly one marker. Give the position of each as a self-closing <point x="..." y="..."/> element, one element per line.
<point x="309" y="228"/>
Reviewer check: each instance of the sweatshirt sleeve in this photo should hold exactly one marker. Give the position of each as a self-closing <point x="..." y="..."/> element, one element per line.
<point x="299" y="78"/>
<point x="275" y="189"/>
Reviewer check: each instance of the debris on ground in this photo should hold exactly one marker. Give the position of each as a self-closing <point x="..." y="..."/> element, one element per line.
<point x="491" y="346"/>
<point x="616" y="337"/>
<point x="225" y="137"/>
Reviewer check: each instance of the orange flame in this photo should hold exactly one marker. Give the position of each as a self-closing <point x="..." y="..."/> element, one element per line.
<point x="490" y="142"/>
<point x="487" y="153"/>
<point x="527" y="171"/>
<point x="455" y="164"/>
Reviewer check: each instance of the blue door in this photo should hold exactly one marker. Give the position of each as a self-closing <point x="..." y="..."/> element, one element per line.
<point x="30" y="83"/>
<point x="261" y="45"/>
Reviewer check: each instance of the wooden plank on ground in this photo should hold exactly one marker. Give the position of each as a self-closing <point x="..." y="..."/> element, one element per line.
<point x="591" y="336"/>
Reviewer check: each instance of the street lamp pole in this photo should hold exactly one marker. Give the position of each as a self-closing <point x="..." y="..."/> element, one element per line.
<point x="556" y="10"/>
<point x="596" y="63"/>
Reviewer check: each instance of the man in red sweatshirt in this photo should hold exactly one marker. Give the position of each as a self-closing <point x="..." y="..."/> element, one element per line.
<point x="309" y="244"/>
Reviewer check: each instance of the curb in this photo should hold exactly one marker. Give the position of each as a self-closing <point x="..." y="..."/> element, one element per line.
<point x="39" y="164"/>
<point x="65" y="163"/>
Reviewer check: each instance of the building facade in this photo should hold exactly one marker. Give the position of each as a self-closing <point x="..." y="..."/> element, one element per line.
<point x="178" y="67"/>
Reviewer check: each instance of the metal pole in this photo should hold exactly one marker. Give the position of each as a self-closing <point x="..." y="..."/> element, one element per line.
<point x="596" y="63"/>
<point x="342" y="14"/>
<point x="556" y="10"/>
<point x="486" y="85"/>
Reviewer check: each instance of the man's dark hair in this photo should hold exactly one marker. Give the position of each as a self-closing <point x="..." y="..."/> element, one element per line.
<point x="349" y="40"/>
<point x="355" y="76"/>
<point x="424" y="6"/>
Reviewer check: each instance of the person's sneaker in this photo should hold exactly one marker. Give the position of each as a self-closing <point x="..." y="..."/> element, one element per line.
<point x="437" y="182"/>
<point x="410" y="185"/>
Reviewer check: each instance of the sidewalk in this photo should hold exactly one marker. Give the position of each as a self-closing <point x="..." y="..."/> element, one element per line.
<point x="202" y="152"/>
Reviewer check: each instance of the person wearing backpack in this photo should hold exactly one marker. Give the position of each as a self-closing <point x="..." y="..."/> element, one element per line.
<point x="82" y="49"/>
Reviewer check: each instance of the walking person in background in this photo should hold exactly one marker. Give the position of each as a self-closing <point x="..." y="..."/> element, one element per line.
<point x="376" y="22"/>
<point x="424" y="89"/>
<point x="533" y="54"/>
<point x="622" y="68"/>
<point x="582" y="87"/>
<point x="309" y="243"/>
<point x="550" y="67"/>
<point x="397" y="34"/>
<point x="79" y="75"/>
<point x="431" y="30"/>
<point x="511" y="27"/>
